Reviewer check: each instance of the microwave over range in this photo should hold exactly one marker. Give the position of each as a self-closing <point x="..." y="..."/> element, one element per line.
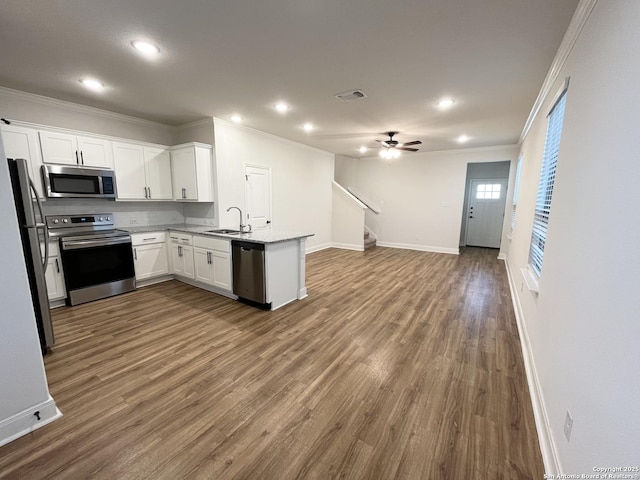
<point x="78" y="182"/>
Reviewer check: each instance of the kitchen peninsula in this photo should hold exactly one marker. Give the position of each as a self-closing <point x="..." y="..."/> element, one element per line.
<point x="202" y="256"/>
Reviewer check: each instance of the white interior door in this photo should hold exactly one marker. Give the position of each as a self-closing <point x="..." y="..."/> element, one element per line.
<point x="258" y="196"/>
<point x="485" y="214"/>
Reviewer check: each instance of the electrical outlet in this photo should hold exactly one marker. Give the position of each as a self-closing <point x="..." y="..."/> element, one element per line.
<point x="568" y="425"/>
<point x="133" y="221"/>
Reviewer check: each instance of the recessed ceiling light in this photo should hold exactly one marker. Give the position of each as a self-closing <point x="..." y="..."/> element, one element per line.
<point x="236" y="118"/>
<point x="463" y="138"/>
<point x="445" y="103"/>
<point x="363" y="149"/>
<point x="92" y="84"/>
<point x="145" y="47"/>
<point x="281" y="107"/>
<point x="307" y="127"/>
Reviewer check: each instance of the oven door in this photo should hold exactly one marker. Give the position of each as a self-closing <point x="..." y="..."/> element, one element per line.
<point x="96" y="267"/>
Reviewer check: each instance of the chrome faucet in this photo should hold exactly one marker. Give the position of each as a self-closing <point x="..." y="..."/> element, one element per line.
<point x="242" y="227"/>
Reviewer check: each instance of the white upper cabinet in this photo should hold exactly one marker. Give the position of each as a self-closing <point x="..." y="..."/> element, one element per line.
<point x="157" y="167"/>
<point x="192" y="172"/>
<point x="142" y="172"/>
<point x="66" y="149"/>
<point x="22" y="142"/>
<point x="128" y="162"/>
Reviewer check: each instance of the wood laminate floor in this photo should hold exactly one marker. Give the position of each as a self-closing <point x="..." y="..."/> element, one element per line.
<point x="399" y="365"/>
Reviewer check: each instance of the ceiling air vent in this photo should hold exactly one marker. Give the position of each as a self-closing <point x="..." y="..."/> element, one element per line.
<point x="351" y="95"/>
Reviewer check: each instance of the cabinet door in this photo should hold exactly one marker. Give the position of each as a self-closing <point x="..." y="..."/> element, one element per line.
<point x="21" y="142"/>
<point x="158" y="173"/>
<point x="187" y="255"/>
<point x="55" y="279"/>
<point x="128" y="160"/>
<point x="95" y="152"/>
<point x="177" y="260"/>
<point x="150" y="260"/>
<point x="221" y="270"/>
<point x="183" y="172"/>
<point x="203" y="265"/>
<point x="60" y="148"/>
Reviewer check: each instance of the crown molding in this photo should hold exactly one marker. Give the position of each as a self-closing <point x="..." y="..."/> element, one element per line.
<point x="76" y="107"/>
<point x="579" y="20"/>
<point x="198" y="123"/>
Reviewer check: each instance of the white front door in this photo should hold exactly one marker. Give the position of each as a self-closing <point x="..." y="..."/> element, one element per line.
<point x="258" y="196"/>
<point x="485" y="213"/>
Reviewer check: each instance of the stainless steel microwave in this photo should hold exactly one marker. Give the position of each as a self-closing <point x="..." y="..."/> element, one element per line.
<point x="78" y="182"/>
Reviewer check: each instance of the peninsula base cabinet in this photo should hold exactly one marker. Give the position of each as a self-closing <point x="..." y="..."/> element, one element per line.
<point x="212" y="258"/>
<point x="150" y="255"/>
<point x="181" y="254"/>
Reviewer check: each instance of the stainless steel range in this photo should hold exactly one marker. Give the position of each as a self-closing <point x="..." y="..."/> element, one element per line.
<point x="97" y="258"/>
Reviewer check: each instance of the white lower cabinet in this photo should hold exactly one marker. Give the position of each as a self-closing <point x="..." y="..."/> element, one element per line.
<point x="212" y="258"/>
<point x="150" y="255"/>
<point x="181" y="254"/>
<point x="54" y="275"/>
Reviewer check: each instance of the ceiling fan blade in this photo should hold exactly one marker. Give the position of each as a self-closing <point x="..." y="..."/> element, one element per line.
<point x="415" y="142"/>
<point x="383" y="143"/>
<point x="407" y="149"/>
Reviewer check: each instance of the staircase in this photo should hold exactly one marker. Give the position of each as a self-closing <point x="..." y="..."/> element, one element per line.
<point x="369" y="241"/>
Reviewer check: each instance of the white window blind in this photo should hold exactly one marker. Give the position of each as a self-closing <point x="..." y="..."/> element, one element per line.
<point x="545" y="185"/>
<point x="516" y="190"/>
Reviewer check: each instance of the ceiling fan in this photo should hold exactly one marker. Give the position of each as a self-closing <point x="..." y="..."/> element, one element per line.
<point x="391" y="148"/>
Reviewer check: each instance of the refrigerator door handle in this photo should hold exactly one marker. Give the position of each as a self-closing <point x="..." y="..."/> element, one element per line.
<point x="42" y="226"/>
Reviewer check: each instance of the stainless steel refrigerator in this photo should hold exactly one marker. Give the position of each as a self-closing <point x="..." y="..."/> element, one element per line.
<point x="33" y="231"/>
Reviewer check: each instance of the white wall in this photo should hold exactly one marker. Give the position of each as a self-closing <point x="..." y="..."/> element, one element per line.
<point x="23" y="385"/>
<point x="421" y="195"/>
<point x="347" y="226"/>
<point x="582" y="331"/>
<point x="301" y="179"/>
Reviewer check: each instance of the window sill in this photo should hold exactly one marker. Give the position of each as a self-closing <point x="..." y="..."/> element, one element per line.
<point x="530" y="280"/>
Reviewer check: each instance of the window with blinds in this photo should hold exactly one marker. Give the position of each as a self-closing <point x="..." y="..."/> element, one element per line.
<point x="516" y="190"/>
<point x="545" y="185"/>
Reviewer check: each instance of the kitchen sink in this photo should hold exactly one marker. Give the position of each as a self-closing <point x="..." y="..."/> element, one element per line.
<point x="225" y="231"/>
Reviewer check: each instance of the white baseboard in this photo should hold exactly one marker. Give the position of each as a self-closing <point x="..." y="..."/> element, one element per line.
<point x="26" y="422"/>
<point x="348" y="246"/>
<point x="545" y="436"/>
<point x="502" y="256"/>
<point x="420" y="248"/>
<point x="317" y="248"/>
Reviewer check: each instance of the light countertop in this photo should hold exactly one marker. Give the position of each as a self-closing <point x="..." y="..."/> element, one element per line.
<point x="257" y="236"/>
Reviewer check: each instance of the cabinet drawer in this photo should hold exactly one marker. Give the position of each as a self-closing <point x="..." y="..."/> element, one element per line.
<point x="211" y="243"/>
<point x="146" y="238"/>
<point x="180" y="238"/>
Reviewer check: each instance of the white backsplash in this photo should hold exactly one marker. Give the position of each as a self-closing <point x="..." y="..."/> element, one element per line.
<point x="125" y="214"/>
<point x="200" y="213"/>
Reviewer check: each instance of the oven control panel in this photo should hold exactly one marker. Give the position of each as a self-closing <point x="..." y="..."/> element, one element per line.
<point x="93" y="220"/>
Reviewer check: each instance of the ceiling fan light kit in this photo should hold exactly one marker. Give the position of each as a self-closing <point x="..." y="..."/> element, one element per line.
<point x="391" y="148"/>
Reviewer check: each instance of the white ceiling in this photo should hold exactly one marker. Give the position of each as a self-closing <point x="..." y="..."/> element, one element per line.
<point x="220" y="57"/>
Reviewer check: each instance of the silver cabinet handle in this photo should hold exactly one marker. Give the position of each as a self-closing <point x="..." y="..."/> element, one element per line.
<point x="135" y="254"/>
<point x="57" y="266"/>
<point x="148" y="239"/>
<point x="179" y="250"/>
<point x="184" y="193"/>
<point x="77" y="159"/>
<point x="81" y="157"/>
<point x="149" y="188"/>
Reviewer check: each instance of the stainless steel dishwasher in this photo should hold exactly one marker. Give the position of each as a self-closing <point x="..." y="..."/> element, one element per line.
<point x="248" y="271"/>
